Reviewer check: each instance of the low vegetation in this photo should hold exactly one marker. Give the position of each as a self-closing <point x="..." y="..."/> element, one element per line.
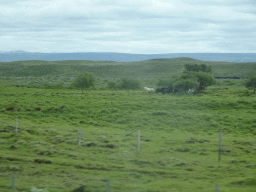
<point x="84" y="81"/>
<point x="196" y="68"/>
<point x="179" y="133"/>
<point x="251" y="82"/>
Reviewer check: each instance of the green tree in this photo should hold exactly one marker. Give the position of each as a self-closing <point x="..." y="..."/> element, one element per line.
<point x="204" y="79"/>
<point x="197" y="68"/>
<point x="191" y="67"/>
<point x="189" y="75"/>
<point x="128" y="84"/>
<point x="112" y="84"/>
<point x="205" y="68"/>
<point x="251" y="82"/>
<point x="167" y="82"/>
<point x="185" y="84"/>
<point x="84" y="81"/>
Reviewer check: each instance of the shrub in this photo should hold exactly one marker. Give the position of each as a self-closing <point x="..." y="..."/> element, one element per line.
<point x="251" y="82"/>
<point x="129" y="84"/>
<point x="204" y="79"/>
<point x="84" y="81"/>
<point x="197" y="68"/>
<point x="167" y="82"/>
<point x="112" y="84"/>
<point x="185" y="84"/>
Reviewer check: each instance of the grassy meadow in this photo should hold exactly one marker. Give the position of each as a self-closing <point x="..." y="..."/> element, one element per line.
<point x="179" y="133"/>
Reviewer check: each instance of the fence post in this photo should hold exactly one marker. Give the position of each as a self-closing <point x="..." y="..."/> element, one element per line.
<point x="220" y="145"/>
<point x="16" y="127"/>
<point x="138" y="147"/>
<point x="108" y="185"/>
<point x="13" y="183"/>
<point x="217" y="187"/>
<point x="80" y="136"/>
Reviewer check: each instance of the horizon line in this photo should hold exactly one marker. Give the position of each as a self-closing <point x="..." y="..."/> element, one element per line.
<point x="21" y="51"/>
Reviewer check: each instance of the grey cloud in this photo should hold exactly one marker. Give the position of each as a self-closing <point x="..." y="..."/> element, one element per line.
<point x="153" y="26"/>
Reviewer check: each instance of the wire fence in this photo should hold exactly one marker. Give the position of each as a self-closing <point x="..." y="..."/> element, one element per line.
<point x="108" y="181"/>
<point x="82" y="188"/>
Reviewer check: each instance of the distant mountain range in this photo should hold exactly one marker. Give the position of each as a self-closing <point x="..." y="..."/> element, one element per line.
<point x="124" y="57"/>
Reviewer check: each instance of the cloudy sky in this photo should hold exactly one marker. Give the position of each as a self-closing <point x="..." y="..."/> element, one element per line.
<point x="128" y="26"/>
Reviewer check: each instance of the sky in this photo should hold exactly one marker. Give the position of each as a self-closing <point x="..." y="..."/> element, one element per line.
<point x="128" y="26"/>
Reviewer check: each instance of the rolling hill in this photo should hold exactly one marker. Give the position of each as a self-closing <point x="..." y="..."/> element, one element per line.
<point x="123" y="57"/>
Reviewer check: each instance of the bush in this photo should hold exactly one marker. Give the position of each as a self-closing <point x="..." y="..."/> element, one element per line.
<point x="197" y="68"/>
<point x="204" y="79"/>
<point x="112" y="84"/>
<point x="84" y="81"/>
<point x="167" y="82"/>
<point x="129" y="84"/>
<point x="251" y="82"/>
<point x="185" y="84"/>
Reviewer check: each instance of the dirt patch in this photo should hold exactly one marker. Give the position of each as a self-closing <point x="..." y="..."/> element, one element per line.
<point x="180" y="164"/>
<point x="237" y="183"/>
<point x="80" y="189"/>
<point x="247" y="181"/>
<point x="110" y="146"/>
<point x="193" y="140"/>
<point x="8" y="129"/>
<point x="13" y="159"/>
<point x="10" y="108"/>
<point x="13" y="147"/>
<point x="183" y="150"/>
<point x="42" y="161"/>
<point x="89" y="144"/>
<point x="37" y="109"/>
<point x="47" y="153"/>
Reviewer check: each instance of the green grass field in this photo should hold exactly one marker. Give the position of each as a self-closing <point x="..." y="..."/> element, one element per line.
<point x="179" y="140"/>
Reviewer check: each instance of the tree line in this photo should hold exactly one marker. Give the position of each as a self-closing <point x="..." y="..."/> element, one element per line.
<point x="193" y="77"/>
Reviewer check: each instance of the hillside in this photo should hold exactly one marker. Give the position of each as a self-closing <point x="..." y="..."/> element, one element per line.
<point x="123" y="57"/>
<point x="107" y="69"/>
<point x="62" y="73"/>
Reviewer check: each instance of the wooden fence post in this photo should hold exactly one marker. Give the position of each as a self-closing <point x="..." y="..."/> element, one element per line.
<point x="138" y="147"/>
<point x="16" y="127"/>
<point x="217" y="187"/>
<point x="80" y="136"/>
<point x="108" y="185"/>
<point x="13" y="183"/>
<point x="220" y="145"/>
